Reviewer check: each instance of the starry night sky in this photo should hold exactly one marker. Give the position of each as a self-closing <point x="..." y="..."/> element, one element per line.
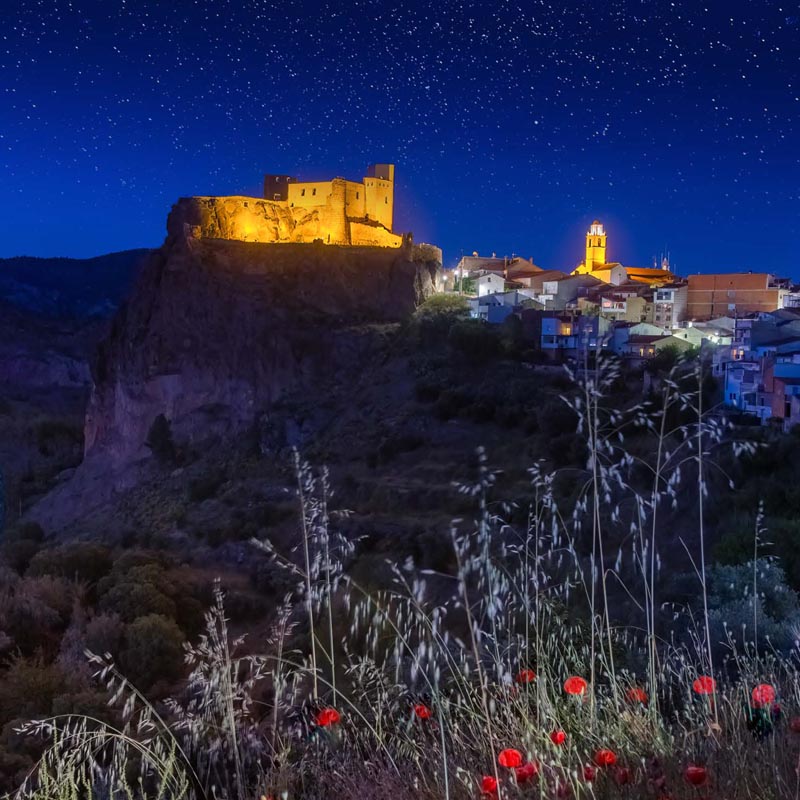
<point x="512" y="124"/>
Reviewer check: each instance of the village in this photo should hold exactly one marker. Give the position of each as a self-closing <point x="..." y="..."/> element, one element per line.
<point x="746" y="324"/>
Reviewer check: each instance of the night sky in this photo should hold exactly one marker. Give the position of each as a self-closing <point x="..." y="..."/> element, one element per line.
<point x="512" y="124"/>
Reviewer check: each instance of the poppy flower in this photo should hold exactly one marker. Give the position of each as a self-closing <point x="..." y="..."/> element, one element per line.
<point x="605" y="758"/>
<point x="575" y="685"/>
<point x="489" y="785"/>
<point x="527" y="772"/>
<point x="695" y="775"/>
<point x="422" y="711"/>
<point x="636" y="695"/>
<point x="525" y="676"/>
<point x="704" y="685"/>
<point x="510" y="758"/>
<point x="794" y="724"/>
<point x="589" y="773"/>
<point x="559" y="737"/>
<point x="762" y="695"/>
<point x="623" y="776"/>
<point x="327" y="716"/>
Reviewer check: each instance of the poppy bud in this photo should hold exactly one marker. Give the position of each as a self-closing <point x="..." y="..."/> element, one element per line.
<point x="422" y="711"/>
<point x="589" y="773"/>
<point x="623" y="776"/>
<point x="527" y="772"/>
<point x="510" y="758"/>
<point x="525" y="676"/>
<point x="605" y="758"/>
<point x="695" y="775"/>
<point x="559" y="737"/>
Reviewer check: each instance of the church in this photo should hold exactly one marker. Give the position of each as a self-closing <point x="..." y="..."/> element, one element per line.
<point x="596" y="264"/>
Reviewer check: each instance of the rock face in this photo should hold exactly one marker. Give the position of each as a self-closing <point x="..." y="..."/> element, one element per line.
<point x="216" y="331"/>
<point x="251" y="219"/>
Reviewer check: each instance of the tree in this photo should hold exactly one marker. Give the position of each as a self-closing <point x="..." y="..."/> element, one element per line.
<point x="159" y="440"/>
<point x="153" y="651"/>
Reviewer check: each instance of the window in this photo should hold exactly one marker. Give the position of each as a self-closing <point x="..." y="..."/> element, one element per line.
<point x="386" y="200"/>
<point x="356" y="195"/>
<point x="314" y="191"/>
<point x="302" y="193"/>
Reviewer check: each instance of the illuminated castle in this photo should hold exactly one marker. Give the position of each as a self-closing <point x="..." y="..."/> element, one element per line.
<point x="348" y="212"/>
<point x="613" y="272"/>
<point x="336" y="212"/>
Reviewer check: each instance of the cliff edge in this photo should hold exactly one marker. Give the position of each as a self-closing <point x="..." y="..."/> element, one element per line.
<point x="217" y="330"/>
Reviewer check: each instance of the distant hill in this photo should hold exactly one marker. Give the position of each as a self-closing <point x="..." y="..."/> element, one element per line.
<point x="69" y="287"/>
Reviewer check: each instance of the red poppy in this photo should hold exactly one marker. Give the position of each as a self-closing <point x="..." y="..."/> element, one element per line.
<point x="558" y="737"/>
<point x="589" y="773"/>
<point x="575" y="685"/>
<point x="623" y="776"/>
<point x="527" y="772"/>
<point x="794" y="724"/>
<point x="636" y="695"/>
<point x="489" y="785"/>
<point x="605" y="758"/>
<point x="695" y="775"/>
<point x="510" y="758"/>
<point x="422" y="711"/>
<point x="327" y="716"/>
<point x="762" y="695"/>
<point x="525" y="676"/>
<point x="704" y="685"/>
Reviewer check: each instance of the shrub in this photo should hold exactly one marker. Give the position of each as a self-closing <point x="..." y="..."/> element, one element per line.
<point x="206" y="486"/>
<point x="80" y="561"/>
<point x="131" y="599"/>
<point x="474" y="339"/>
<point x="153" y="650"/>
<point x="159" y="440"/>
<point x="29" y="687"/>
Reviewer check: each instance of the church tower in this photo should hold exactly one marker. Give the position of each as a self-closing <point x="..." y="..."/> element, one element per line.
<point x="595" y="246"/>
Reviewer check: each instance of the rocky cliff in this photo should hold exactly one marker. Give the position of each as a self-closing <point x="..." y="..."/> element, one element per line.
<point x="251" y="219"/>
<point x="216" y="331"/>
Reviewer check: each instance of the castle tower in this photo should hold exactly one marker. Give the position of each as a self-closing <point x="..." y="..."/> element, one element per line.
<point x="595" y="246"/>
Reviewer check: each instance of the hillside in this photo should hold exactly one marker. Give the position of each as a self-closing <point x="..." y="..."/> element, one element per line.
<point x="69" y="287"/>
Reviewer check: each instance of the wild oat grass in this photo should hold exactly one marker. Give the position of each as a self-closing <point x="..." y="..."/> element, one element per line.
<point x="438" y="673"/>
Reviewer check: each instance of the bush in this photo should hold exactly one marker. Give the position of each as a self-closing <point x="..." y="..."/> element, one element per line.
<point x="131" y="600"/>
<point x="153" y="651"/>
<point x="29" y="687"/>
<point x="80" y="561"/>
<point x="159" y="440"/>
<point x="206" y="486"/>
<point x="474" y="339"/>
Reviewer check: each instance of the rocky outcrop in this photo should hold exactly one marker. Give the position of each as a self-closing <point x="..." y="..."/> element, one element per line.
<point x="217" y="331"/>
<point x="251" y="219"/>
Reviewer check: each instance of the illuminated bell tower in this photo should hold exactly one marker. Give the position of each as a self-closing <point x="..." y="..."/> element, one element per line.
<point x="595" y="246"/>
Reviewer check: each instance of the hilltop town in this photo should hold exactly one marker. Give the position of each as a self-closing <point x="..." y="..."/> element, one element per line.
<point x="747" y="324"/>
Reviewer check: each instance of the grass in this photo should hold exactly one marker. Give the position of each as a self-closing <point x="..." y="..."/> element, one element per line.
<point x="437" y="674"/>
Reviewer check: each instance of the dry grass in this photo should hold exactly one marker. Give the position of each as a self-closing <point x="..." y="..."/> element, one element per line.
<point x="428" y="676"/>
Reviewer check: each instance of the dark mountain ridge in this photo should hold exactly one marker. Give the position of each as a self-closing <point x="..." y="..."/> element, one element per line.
<point x="70" y="287"/>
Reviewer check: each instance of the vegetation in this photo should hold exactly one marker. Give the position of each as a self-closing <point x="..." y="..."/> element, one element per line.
<point x="544" y="647"/>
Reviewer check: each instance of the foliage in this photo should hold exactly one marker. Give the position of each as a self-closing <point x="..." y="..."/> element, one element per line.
<point x="153" y="650"/>
<point x="159" y="440"/>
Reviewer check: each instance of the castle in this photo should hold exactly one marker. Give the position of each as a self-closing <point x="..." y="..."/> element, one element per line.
<point x="337" y="212"/>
